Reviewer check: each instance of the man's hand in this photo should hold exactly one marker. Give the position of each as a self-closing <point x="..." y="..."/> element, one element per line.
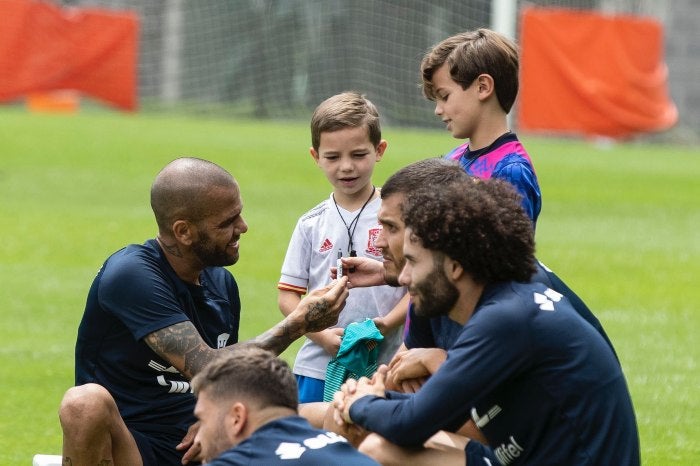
<point x="409" y="369"/>
<point x="368" y="272"/>
<point x="353" y="390"/>
<point x="192" y="449"/>
<point x="320" y="308"/>
<point x="317" y="311"/>
<point x="352" y="432"/>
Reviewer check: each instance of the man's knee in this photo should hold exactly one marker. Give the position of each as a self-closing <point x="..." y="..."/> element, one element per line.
<point x="86" y="406"/>
<point x="380" y="449"/>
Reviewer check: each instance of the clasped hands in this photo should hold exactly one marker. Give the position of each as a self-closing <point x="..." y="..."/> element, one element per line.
<point x="407" y="372"/>
<point x="352" y="390"/>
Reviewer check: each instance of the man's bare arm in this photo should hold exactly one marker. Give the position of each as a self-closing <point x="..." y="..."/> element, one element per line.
<point x="183" y="347"/>
<point x="317" y="311"/>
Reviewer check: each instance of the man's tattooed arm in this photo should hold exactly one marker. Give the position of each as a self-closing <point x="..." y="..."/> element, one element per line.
<point x="182" y="346"/>
<point x="318" y="311"/>
<point x="279" y="337"/>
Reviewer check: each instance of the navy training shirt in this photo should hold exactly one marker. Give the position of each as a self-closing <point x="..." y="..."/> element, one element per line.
<point x="135" y="293"/>
<point x="543" y="386"/>
<point x="292" y="441"/>
<point x="441" y="332"/>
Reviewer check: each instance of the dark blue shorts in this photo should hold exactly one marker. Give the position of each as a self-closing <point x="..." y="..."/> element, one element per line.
<point x="158" y="449"/>
<point x="310" y="389"/>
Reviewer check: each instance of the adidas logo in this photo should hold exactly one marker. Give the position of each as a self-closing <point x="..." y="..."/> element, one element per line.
<point x="326" y="246"/>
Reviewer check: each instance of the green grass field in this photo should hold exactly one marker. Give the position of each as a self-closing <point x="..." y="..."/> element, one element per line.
<point x="619" y="224"/>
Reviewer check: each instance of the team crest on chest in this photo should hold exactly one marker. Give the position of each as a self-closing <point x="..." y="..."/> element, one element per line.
<point x="372" y="236"/>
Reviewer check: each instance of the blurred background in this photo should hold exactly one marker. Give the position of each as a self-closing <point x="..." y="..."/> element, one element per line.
<point x="280" y="58"/>
<point x="97" y="96"/>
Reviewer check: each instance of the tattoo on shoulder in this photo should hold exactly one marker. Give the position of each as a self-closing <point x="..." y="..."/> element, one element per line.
<point x="182" y="345"/>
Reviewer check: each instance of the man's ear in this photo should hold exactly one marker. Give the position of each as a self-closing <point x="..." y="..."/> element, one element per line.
<point x="454" y="269"/>
<point x="184" y="232"/>
<point x="485" y="86"/>
<point x="236" y="421"/>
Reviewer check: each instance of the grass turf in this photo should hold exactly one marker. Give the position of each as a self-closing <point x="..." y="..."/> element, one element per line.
<point x="618" y="223"/>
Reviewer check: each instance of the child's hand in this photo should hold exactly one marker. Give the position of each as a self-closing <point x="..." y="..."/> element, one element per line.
<point x="328" y="339"/>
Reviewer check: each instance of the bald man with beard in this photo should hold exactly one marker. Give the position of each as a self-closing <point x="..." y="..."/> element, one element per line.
<point x="156" y="314"/>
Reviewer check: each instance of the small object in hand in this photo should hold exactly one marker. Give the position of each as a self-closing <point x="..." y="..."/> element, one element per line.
<point x="339" y="265"/>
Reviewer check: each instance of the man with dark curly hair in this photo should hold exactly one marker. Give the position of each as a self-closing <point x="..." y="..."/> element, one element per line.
<point x="542" y="385"/>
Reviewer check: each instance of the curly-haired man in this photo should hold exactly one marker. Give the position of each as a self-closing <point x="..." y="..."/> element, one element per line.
<point x="542" y="384"/>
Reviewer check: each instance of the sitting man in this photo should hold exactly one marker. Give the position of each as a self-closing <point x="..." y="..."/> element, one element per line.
<point x="427" y="340"/>
<point x="247" y="407"/>
<point x="156" y="314"/>
<point x="539" y="381"/>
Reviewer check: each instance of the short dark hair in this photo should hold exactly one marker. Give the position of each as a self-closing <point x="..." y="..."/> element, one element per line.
<point x="179" y="190"/>
<point x="248" y="372"/>
<point x="426" y="172"/>
<point x="479" y="223"/>
<point x="469" y="54"/>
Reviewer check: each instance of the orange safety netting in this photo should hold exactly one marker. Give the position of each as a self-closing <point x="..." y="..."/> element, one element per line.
<point x="592" y="74"/>
<point x="44" y="48"/>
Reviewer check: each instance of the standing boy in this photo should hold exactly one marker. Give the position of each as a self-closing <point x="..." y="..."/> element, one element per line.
<point x="473" y="79"/>
<point x="346" y="144"/>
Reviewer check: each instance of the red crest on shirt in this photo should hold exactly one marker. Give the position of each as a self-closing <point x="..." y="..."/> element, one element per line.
<point x="372" y="235"/>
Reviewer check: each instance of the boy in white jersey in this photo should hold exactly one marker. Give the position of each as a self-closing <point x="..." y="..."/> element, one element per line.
<point x="346" y="144"/>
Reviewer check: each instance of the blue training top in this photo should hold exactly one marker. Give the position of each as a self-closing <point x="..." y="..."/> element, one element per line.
<point x="135" y="293"/>
<point x="441" y="332"/>
<point x="542" y="385"/>
<point x="506" y="159"/>
<point x="292" y="441"/>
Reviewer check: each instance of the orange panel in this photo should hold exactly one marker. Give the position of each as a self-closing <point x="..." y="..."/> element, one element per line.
<point x="44" y="47"/>
<point x="587" y="73"/>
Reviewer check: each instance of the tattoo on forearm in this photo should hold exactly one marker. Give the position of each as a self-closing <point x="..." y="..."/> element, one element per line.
<point x="181" y="343"/>
<point x="278" y="338"/>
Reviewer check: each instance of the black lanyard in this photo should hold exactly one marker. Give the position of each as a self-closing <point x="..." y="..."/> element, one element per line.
<point x="353" y="225"/>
